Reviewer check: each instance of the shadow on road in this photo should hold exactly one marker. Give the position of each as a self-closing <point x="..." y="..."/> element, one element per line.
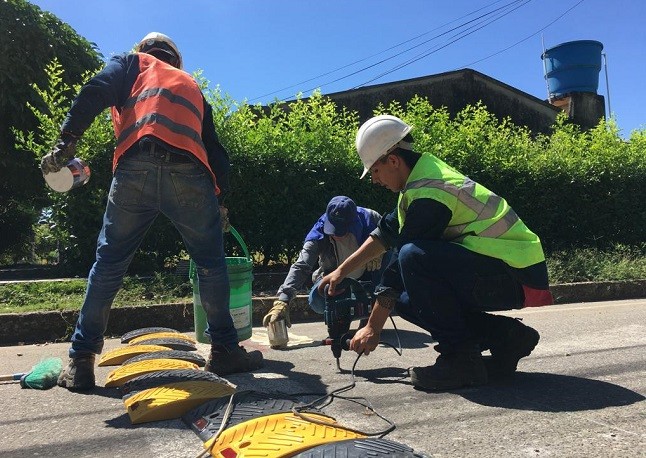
<point x="409" y="339"/>
<point x="551" y="393"/>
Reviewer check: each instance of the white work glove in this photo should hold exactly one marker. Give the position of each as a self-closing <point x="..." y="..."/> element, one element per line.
<point x="374" y="264"/>
<point x="279" y="311"/>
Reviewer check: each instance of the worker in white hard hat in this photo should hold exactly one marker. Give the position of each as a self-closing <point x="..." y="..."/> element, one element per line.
<point x="168" y="160"/>
<point x="461" y="251"/>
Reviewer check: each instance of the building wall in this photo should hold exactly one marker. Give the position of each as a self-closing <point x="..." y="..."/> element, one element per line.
<point x="455" y="90"/>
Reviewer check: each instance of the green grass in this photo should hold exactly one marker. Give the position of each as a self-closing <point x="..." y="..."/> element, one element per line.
<point x="49" y="295"/>
<point x="620" y="263"/>
<point x="587" y="264"/>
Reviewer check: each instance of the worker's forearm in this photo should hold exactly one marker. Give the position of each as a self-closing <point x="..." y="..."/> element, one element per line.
<point x="380" y="313"/>
<point x="370" y="249"/>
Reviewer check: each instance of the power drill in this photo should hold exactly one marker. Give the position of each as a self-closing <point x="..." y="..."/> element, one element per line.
<point x="355" y="302"/>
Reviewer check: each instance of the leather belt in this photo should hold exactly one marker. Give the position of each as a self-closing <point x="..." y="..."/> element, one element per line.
<point x="158" y="152"/>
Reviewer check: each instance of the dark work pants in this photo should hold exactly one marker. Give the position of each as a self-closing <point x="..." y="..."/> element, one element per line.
<point x="449" y="287"/>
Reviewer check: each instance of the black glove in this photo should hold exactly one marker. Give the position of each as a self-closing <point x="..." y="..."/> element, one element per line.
<point x="224" y="218"/>
<point x="60" y="154"/>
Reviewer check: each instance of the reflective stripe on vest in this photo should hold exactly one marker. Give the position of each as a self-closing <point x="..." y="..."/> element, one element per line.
<point x="166" y="103"/>
<point x="481" y="220"/>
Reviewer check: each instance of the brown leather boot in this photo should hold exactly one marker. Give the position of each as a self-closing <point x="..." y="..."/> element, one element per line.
<point x="79" y="374"/>
<point x="229" y="360"/>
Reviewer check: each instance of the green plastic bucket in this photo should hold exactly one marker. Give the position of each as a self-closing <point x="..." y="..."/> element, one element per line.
<point x="240" y="302"/>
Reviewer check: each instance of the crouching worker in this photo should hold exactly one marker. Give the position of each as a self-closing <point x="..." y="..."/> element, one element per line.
<point x="334" y="237"/>
<point x="461" y="252"/>
<point x="166" y="160"/>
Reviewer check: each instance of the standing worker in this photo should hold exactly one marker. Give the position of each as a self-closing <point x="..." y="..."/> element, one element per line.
<point x="166" y="160"/>
<point x="462" y="252"/>
<point x="336" y="235"/>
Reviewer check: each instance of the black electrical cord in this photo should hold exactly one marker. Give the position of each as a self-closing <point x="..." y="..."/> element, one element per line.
<point x="329" y="397"/>
<point x="323" y="400"/>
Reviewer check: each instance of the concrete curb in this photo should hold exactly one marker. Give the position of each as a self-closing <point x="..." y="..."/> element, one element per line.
<point x="42" y="327"/>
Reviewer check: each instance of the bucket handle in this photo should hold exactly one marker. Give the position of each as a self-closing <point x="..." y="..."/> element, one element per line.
<point x="241" y="242"/>
<point x="192" y="268"/>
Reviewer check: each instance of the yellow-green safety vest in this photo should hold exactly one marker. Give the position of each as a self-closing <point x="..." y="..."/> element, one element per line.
<point x="481" y="221"/>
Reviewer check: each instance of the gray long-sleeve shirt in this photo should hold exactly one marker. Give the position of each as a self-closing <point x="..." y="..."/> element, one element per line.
<point x="317" y="258"/>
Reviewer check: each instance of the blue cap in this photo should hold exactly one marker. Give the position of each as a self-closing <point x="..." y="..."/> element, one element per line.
<point x="341" y="213"/>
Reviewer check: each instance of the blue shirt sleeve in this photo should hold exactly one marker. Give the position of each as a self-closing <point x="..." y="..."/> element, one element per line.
<point x="110" y="87"/>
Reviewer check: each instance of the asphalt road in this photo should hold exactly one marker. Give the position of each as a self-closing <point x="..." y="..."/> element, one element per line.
<point x="580" y="394"/>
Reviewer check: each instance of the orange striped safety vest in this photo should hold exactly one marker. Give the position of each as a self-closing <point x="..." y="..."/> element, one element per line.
<point x="164" y="102"/>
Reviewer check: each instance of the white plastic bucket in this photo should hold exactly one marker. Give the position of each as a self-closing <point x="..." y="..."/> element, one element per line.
<point x="75" y="174"/>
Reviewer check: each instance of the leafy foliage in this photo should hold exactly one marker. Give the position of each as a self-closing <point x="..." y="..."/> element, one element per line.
<point x="67" y="218"/>
<point x="573" y="188"/>
<point x="30" y="38"/>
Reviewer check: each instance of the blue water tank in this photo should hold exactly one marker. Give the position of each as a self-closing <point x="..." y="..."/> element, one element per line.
<point x="573" y="67"/>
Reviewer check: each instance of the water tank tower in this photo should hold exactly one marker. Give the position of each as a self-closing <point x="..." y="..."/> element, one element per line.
<point x="572" y="76"/>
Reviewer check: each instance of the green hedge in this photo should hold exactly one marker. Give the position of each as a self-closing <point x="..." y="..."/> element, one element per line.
<point x="575" y="189"/>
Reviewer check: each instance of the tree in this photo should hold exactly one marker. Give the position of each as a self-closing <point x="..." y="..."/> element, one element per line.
<point x="30" y="39"/>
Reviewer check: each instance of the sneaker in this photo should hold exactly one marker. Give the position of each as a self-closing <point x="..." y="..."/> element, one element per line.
<point x="450" y="371"/>
<point x="79" y="374"/>
<point x="516" y="342"/>
<point x="226" y="360"/>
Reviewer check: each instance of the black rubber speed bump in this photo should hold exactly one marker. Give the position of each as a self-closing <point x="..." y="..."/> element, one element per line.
<point x="361" y="448"/>
<point x="128" y="336"/>
<point x="283" y="434"/>
<point x="164" y="377"/>
<point x="206" y="419"/>
<point x="174" y="344"/>
<point x="189" y="356"/>
<point x="161" y="335"/>
<point x="119" y="355"/>
<point x="126" y="372"/>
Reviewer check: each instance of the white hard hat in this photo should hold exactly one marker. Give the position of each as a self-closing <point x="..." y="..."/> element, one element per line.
<point x="377" y="136"/>
<point x="156" y="41"/>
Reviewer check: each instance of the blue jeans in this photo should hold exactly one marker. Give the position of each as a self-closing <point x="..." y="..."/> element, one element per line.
<point x="447" y="285"/>
<point x="144" y="186"/>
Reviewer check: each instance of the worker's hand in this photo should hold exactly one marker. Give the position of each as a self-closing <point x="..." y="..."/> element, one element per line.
<point x="224" y="218"/>
<point x="374" y="264"/>
<point x="60" y="154"/>
<point x="332" y="279"/>
<point x="365" y="340"/>
<point x="279" y="311"/>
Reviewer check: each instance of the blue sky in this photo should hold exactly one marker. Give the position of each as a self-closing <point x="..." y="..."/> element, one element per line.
<point x="260" y="50"/>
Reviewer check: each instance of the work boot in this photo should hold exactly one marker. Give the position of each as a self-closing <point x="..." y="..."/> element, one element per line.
<point x="451" y="370"/>
<point x="515" y="341"/>
<point x="229" y="360"/>
<point x="79" y="374"/>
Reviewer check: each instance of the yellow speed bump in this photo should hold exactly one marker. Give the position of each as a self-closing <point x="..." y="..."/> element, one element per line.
<point x="161" y="335"/>
<point x="173" y="400"/>
<point x="277" y="435"/>
<point x="119" y="355"/>
<point x="127" y="372"/>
